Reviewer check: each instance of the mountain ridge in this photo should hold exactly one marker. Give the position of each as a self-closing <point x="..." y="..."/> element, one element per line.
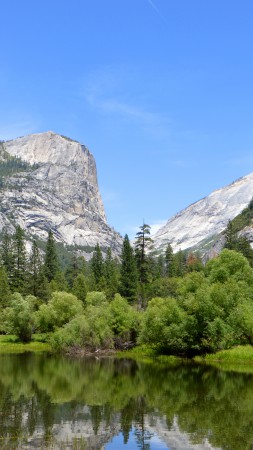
<point x="61" y="193"/>
<point x="206" y="217"/>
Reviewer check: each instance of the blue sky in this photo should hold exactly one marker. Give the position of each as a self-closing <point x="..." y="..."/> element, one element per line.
<point x="160" y="91"/>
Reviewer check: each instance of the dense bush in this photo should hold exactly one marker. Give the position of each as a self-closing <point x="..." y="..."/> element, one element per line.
<point x="124" y="321"/>
<point x="196" y="312"/>
<point x="60" y="309"/>
<point x="90" y="331"/>
<point x="163" y="325"/>
<point x="212" y="311"/>
<point x="19" y="317"/>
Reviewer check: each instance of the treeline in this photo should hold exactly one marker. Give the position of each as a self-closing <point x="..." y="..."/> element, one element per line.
<point x="170" y="302"/>
<point x="137" y="275"/>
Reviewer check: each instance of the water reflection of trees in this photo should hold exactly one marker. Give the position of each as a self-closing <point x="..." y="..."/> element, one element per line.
<point x="37" y="392"/>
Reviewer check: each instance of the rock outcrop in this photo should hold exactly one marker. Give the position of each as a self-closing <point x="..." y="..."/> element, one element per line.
<point x="201" y="222"/>
<point x="58" y="191"/>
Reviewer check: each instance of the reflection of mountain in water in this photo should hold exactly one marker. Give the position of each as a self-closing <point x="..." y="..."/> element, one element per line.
<point x="54" y="402"/>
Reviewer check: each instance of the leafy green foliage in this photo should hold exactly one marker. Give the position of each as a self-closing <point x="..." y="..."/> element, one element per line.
<point x="90" y="331"/>
<point x="200" y="310"/>
<point x="163" y="325"/>
<point x="19" y="317"/>
<point x="61" y="308"/>
<point x="123" y="319"/>
<point x="212" y="310"/>
<point x="95" y="298"/>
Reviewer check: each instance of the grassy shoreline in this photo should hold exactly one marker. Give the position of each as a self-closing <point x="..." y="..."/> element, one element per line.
<point x="241" y="355"/>
<point x="238" y="358"/>
<point x="10" y="344"/>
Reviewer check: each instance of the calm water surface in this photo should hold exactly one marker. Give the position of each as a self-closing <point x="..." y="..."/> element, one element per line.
<point x="53" y="402"/>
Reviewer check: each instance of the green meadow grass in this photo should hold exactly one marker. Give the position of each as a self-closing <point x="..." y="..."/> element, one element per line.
<point x="240" y="354"/>
<point x="10" y="344"/>
<point x="148" y="354"/>
<point x="236" y="359"/>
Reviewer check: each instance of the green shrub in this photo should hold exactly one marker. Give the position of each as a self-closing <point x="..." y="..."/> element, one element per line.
<point x="90" y="332"/>
<point x="19" y="317"/>
<point x="61" y="308"/>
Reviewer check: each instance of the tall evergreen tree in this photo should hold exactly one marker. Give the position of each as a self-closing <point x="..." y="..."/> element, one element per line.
<point x="59" y="282"/>
<point x="178" y="266"/>
<point x="5" y="293"/>
<point x="19" y="281"/>
<point x="230" y="236"/>
<point x="110" y="275"/>
<point x="7" y="255"/>
<point x="143" y="242"/>
<point x="161" y="267"/>
<point x="51" y="265"/>
<point x="97" y="265"/>
<point x="128" y="272"/>
<point x="75" y="267"/>
<point x="80" y="287"/>
<point x="37" y="282"/>
<point x="169" y="259"/>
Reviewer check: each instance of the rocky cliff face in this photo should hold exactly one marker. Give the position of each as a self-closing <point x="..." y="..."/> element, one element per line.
<point x="59" y="192"/>
<point x="206" y="218"/>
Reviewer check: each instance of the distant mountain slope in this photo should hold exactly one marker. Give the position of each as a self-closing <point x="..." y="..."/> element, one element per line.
<point x="54" y="186"/>
<point x="206" y="218"/>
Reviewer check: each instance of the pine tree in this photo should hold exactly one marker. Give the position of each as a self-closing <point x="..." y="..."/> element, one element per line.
<point x="128" y="272"/>
<point x="80" y="287"/>
<point x="76" y="266"/>
<point x="51" y="265"/>
<point x="19" y="281"/>
<point x="42" y="287"/>
<point x="160" y="267"/>
<point x="110" y="275"/>
<point x="230" y="236"/>
<point x="58" y="283"/>
<point x="169" y="258"/>
<point x="37" y="282"/>
<point x="179" y="264"/>
<point x="97" y="265"/>
<point x="5" y="293"/>
<point x="143" y="242"/>
<point x="7" y="256"/>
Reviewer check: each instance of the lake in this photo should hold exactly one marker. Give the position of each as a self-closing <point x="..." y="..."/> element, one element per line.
<point x="56" y="402"/>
